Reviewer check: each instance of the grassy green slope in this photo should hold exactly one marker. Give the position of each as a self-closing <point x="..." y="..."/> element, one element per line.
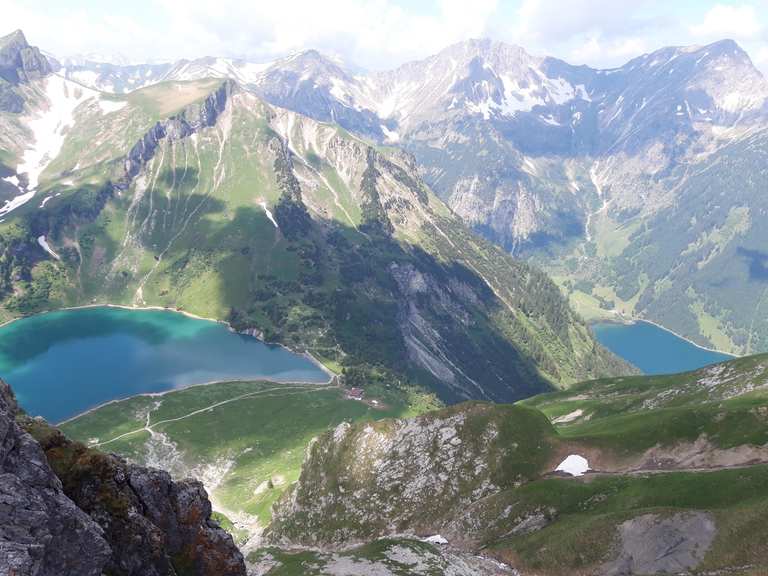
<point x="169" y="201"/>
<point x="707" y="430"/>
<point x="724" y="404"/>
<point x="581" y="535"/>
<point x="722" y="409"/>
<point x="692" y="259"/>
<point x="245" y="440"/>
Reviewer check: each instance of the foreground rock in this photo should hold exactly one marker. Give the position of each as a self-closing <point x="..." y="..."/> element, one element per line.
<point x="66" y="509"/>
<point x="41" y="530"/>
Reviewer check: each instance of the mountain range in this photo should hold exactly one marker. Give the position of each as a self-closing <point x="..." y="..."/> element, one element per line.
<point x="199" y="195"/>
<point x="341" y="214"/>
<point x="589" y="173"/>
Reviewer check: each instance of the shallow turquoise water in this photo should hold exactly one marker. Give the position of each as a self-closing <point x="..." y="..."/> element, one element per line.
<point x="62" y="363"/>
<point x="654" y="350"/>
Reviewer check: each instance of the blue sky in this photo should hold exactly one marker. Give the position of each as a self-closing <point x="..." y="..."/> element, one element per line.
<point x="381" y="34"/>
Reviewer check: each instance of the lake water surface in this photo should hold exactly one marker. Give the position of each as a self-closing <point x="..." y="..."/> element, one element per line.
<point x="654" y="350"/>
<point x="62" y="363"/>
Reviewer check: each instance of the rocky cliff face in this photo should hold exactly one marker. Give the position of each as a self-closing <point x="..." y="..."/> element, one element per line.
<point x="41" y="529"/>
<point x="414" y="476"/>
<point x="189" y="121"/>
<point x="20" y="62"/>
<point x="65" y="509"/>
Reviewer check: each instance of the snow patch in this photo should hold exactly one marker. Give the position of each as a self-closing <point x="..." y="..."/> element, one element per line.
<point x="339" y="89"/>
<point x="529" y="167"/>
<point x="484" y="108"/>
<point x="50" y="128"/>
<point x="574" y="465"/>
<point x="570" y="417"/>
<point x="109" y="106"/>
<point x="390" y="135"/>
<point x="737" y="101"/>
<point x="14" y="203"/>
<point x="45" y="201"/>
<point x="436" y="539"/>
<point x="44" y="245"/>
<point x="12" y="180"/>
<point x="269" y="213"/>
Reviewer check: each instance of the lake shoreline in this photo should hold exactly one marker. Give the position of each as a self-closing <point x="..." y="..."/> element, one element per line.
<point x="319" y="375"/>
<point x="297" y="383"/>
<point x="308" y="355"/>
<point x="628" y="321"/>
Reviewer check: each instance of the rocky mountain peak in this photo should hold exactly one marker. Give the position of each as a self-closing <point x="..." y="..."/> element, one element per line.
<point x="16" y="36"/>
<point x="20" y="62"/>
<point x="728" y="75"/>
<point x="726" y="45"/>
<point x="308" y="65"/>
<point x="678" y="89"/>
<point x="490" y="51"/>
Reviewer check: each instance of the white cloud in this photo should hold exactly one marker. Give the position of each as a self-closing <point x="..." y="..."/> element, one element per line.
<point x="728" y="20"/>
<point x="382" y="33"/>
<point x="760" y="57"/>
<point x="375" y="33"/>
<point x="611" y="52"/>
<point x="551" y="21"/>
<point x="596" y="32"/>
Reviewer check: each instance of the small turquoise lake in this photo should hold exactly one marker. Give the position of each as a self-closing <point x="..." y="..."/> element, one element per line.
<point x="63" y="363"/>
<point x="654" y="350"/>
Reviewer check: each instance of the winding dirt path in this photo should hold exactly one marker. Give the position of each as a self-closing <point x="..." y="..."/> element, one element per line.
<point x="293" y="389"/>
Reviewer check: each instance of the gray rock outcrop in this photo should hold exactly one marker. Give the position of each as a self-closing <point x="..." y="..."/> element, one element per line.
<point x="20" y="62"/>
<point x="654" y="544"/>
<point x="41" y="530"/>
<point x="69" y="510"/>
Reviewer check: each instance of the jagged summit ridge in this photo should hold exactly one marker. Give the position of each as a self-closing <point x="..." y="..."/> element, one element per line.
<point x="20" y="62"/>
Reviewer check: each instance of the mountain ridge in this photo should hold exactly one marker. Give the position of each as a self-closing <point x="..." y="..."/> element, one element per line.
<point x="567" y="165"/>
<point x="171" y="202"/>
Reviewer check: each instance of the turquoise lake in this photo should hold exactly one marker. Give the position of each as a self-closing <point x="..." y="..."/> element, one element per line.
<point x="62" y="363"/>
<point x="654" y="350"/>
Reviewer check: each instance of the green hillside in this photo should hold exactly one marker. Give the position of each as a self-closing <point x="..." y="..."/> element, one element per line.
<point x="199" y="196"/>
<point x="682" y="456"/>
<point x="720" y="407"/>
<point x="245" y="440"/>
<point x="691" y="258"/>
<point x="679" y="481"/>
